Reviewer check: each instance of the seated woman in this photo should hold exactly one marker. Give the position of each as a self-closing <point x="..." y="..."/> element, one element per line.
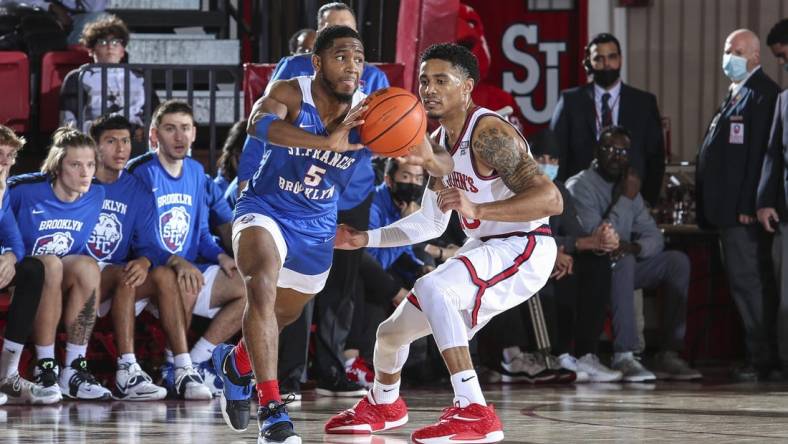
<point x="56" y="211"/>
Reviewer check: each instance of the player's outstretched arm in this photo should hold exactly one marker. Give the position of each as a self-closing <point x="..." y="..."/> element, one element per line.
<point x="501" y="148"/>
<point x="272" y="117"/>
<point x="432" y="156"/>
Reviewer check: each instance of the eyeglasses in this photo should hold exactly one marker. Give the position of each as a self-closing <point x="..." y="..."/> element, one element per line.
<point x="109" y="42"/>
<point x="619" y="151"/>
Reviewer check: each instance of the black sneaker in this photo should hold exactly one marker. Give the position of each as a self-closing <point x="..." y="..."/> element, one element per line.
<point x="290" y="386"/>
<point x="275" y="424"/>
<point x="342" y="388"/>
<point x="46" y="372"/>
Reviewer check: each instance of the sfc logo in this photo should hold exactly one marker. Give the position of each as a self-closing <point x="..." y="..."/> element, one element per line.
<point x="58" y="244"/>
<point x="174" y="227"/>
<point x="105" y="237"/>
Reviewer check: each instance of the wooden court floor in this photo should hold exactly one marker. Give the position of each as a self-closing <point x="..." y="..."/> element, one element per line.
<point x="582" y="413"/>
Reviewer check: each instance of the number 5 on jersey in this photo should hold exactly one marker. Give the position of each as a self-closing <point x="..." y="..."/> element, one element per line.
<point x="314" y="176"/>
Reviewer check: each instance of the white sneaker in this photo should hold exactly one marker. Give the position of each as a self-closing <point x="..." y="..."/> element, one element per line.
<point x="21" y="391"/>
<point x="631" y="368"/>
<point x="210" y="378"/>
<point x="668" y="365"/>
<point x="591" y="366"/>
<point x="76" y="382"/>
<point x="190" y="385"/>
<point x="3" y="398"/>
<point x="526" y="367"/>
<point x="133" y="384"/>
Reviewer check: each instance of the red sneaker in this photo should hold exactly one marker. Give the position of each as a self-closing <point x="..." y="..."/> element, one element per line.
<point x="359" y="372"/>
<point x="365" y="418"/>
<point x="473" y="424"/>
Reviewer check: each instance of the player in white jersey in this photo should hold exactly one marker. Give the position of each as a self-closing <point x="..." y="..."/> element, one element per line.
<point x="503" y="201"/>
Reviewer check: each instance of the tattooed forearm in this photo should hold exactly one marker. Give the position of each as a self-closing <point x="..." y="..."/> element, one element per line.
<point x="503" y="153"/>
<point x="80" y="331"/>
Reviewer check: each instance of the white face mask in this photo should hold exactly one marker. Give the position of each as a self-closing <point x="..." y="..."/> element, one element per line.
<point x="734" y="67"/>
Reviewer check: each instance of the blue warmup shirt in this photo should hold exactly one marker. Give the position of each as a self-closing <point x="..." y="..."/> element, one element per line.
<point x="181" y="210"/>
<point x="10" y="236"/>
<point x="221" y="181"/>
<point x="127" y="224"/>
<point x="231" y="193"/>
<point x="219" y="211"/>
<point x="372" y="79"/>
<point x="49" y="225"/>
<point x="383" y="211"/>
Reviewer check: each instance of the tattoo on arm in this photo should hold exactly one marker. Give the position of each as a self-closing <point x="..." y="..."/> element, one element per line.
<point x="501" y="152"/>
<point x="86" y="318"/>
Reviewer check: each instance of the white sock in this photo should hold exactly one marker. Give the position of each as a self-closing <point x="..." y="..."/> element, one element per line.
<point x="510" y="353"/>
<point x="619" y="356"/>
<point x="127" y="358"/>
<point x="168" y="355"/>
<point x="202" y="351"/>
<point x="467" y="389"/>
<point x="183" y="360"/>
<point x="9" y="359"/>
<point x="74" y="351"/>
<point x="45" y="351"/>
<point x="384" y="394"/>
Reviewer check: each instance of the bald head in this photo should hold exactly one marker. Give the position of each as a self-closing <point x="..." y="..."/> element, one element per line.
<point x="744" y="43"/>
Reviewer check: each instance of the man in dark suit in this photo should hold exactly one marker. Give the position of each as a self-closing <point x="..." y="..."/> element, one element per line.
<point x="582" y="112"/>
<point x="773" y="190"/>
<point x="728" y="169"/>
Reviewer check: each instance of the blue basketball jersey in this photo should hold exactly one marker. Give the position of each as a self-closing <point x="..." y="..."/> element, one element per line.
<point x="49" y="225"/>
<point x="181" y="211"/>
<point x="10" y="237"/>
<point x="304" y="182"/>
<point x="127" y="224"/>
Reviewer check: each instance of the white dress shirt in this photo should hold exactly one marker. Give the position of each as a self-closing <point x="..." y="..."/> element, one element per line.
<point x="613" y="101"/>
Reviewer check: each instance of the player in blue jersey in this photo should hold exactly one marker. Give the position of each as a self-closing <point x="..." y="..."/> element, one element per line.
<point x="56" y="211"/>
<point x="25" y="274"/>
<point x="206" y="275"/>
<point x="124" y="242"/>
<point x="285" y="220"/>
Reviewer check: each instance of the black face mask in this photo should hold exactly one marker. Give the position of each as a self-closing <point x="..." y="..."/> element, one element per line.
<point x="407" y="192"/>
<point x="606" y="77"/>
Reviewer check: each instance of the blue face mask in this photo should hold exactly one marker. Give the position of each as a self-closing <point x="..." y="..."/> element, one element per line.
<point x="549" y="170"/>
<point x="734" y="67"/>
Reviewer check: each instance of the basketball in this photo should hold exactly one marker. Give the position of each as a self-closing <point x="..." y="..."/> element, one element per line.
<point x="393" y="123"/>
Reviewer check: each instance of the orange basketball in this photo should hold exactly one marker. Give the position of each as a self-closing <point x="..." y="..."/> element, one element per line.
<point x="393" y="123"/>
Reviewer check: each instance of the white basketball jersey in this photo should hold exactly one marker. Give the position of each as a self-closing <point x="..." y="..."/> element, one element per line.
<point x="479" y="188"/>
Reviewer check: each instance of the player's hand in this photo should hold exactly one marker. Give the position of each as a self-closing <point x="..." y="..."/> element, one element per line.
<point x="135" y="272"/>
<point x="432" y="157"/>
<point x="746" y="219"/>
<point x="408" y="208"/>
<point x="348" y="238"/>
<point x="7" y="268"/>
<point x="227" y="265"/>
<point x="605" y="238"/>
<point x="631" y="183"/>
<point x="563" y="264"/>
<point x="190" y="279"/>
<point x="766" y="216"/>
<point x="454" y="199"/>
<point x="338" y="139"/>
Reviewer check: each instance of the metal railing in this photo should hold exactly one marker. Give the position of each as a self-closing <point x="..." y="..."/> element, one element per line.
<point x="147" y="71"/>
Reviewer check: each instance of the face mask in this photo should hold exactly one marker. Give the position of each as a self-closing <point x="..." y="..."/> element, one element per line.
<point x="606" y="77"/>
<point x="549" y="170"/>
<point x="407" y="192"/>
<point x="734" y="67"/>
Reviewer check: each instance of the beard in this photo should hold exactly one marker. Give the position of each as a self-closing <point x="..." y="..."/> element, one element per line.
<point x="332" y="86"/>
<point x="606" y="77"/>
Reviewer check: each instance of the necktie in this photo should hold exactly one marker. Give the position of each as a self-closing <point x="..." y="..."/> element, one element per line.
<point x="607" y="114"/>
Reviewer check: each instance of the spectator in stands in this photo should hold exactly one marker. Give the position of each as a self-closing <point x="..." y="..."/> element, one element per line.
<point x="729" y="166"/>
<point x="302" y="42"/>
<point x="772" y="195"/>
<point x="124" y="242"/>
<point x="56" y="211"/>
<point x="106" y="40"/>
<point x="609" y="191"/>
<point x="205" y="273"/>
<point x="608" y="101"/>
<point x="25" y="275"/>
<point x="73" y="15"/>
<point x="231" y="155"/>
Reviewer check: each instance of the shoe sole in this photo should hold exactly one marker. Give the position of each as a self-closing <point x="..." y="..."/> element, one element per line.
<point x="291" y="440"/>
<point x="223" y="403"/>
<point x="40" y="401"/>
<point x="329" y="393"/>
<point x="669" y="377"/>
<point x="103" y="397"/>
<point x="605" y="378"/>
<point x="639" y="379"/>
<point x="367" y="429"/>
<point x="512" y="379"/>
<point x="490" y="437"/>
<point x="139" y="398"/>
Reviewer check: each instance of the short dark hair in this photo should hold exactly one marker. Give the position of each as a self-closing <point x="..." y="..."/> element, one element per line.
<point x="335" y="6"/>
<point x="233" y="145"/>
<point x="604" y="37"/>
<point x="778" y="33"/>
<point x="111" y="25"/>
<point x="459" y="56"/>
<point x="325" y="38"/>
<point x="171" y="107"/>
<point x="109" y="122"/>
<point x="292" y="44"/>
<point x="611" y="131"/>
<point x="392" y="166"/>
